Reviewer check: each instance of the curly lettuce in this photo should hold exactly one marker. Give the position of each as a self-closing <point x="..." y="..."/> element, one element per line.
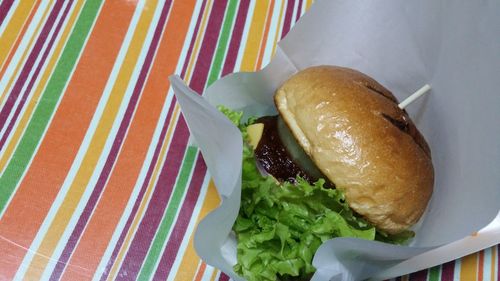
<point x="281" y="225"/>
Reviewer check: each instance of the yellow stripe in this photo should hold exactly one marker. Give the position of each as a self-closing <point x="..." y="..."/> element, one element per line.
<point x="14" y="26"/>
<point x="255" y="35"/>
<point x="26" y="51"/>
<point x="308" y="4"/>
<point x="11" y="145"/>
<point x="199" y="38"/>
<point x="278" y="28"/>
<point x="145" y="199"/>
<point x="214" y="274"/>
<point x="190" y="257"/>
<point x="147" y="195"/>
<point x="493" y="262"/>
<point x="468" y="267"/>
<point x="96" y="146"/>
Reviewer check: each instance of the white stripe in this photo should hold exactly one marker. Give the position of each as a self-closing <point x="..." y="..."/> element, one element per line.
<point x="39" y="77"/>
<point x="273" y="30"/>
<point x="189" y="231"/>
<point x="145" y="167"/>
<point x="88" y="138"/>
<point x="48" y="219"/>
<point x="487" y="264"/>
<point x="8" y="17"/>
<point x="244" y="36"/>
<point x="23" y="48"/>
<point x="456" y="270"/>
<point x="209" y="270"/>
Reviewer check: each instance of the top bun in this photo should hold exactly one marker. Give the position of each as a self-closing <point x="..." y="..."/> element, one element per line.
<point x="353" y="130"/>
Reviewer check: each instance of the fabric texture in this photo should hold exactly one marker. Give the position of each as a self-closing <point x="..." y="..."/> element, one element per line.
<point x="98" y="177"/>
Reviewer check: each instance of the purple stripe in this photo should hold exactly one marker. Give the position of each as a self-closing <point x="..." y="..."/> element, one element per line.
<point x="16" y="90"/>
<point x="145" y="184"/>
<point x="179" y="231"/>
<point x="132" y="215"/>
<point x="299" y="11"/>
<point x="288" y="18"/>
<point x="448" y="271"/>
<point x="94" y="197"/>
<point x="234" y="45"/>
<point x="419" y="276"/>
<point x="4" y="9"/>
<point x="161" y="196"/>
<point x="223" y="277"/>
<point x="208" y="46"/>
<point x="193" y="39"/>
<point x="35" y="75"/>
<point x="152" y="218"/>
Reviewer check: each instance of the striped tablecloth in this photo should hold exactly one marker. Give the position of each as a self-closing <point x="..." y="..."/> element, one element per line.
<point x="98" y="178"/>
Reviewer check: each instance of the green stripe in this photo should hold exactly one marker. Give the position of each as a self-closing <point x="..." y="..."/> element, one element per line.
<point x="161" y="236"/>
<point x="434" y="273"/>
<point x="223" y="43"/>
<point x="45" y="108"/>
<point x="169" y="215"/>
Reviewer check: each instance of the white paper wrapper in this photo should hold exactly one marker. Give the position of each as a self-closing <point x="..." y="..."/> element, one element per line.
<point x="452" y="45"/>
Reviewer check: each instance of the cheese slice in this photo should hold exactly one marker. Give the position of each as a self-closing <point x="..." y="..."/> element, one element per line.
<point x="255" y="134"/>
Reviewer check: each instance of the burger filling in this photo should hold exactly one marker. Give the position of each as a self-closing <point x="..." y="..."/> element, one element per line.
<point x="288" y="212"/>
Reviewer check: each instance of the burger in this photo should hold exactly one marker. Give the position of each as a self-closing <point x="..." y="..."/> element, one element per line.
<point x="340" y="159"/>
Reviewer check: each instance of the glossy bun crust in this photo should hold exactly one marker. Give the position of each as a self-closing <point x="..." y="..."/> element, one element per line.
<point x="354" y="131"/>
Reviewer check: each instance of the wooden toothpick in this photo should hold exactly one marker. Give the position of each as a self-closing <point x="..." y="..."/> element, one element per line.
<point x="414" y="96"/>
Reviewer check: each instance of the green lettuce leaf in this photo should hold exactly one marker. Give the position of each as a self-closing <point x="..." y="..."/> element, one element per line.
<point x="281" y="225"/>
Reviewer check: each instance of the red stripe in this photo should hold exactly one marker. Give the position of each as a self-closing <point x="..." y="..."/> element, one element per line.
<point x="161" y="196"/>
<point x="4" y="9"/>
<point x="448" y="271"/>
<point x="193" y="39"/>
<point x="223" y="277"/>
<point x="419" y="276"/>
<point x="120" y="137"/>
<point x="234" y="45"/>
<point x="287" y="23"/>
<point x="208" y="46"/>
<point x="299" y="11"/>
<point x="179" y="231"/>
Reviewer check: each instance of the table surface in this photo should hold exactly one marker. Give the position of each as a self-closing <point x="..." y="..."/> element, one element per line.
<point x="98" y="178"/>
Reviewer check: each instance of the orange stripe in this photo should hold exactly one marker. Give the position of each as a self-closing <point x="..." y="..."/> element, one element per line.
<point x="31" y="42"/>
<point x="201" y="271"/>
<point x="33" y="101"/>
<point x="493" y="262"/>
<point x="145" y="200"/>
<point x="480" y="266"/>
<point x="266" y="33"/>
<point x="77" y="188"/>
<point x="114" y="198"/>
<point x="55" y="155"/>
<point x="17" y="22"/>
<point x="255" y="35"/>
<point x="19" y="38"/>
<point x="468" y="267"/>
<point x="210" y="202"/>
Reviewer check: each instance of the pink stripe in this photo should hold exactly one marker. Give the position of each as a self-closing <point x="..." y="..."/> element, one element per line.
<point x="179" y="231"/>
<point x="223" y="277"/>
<point x="299" y="11"/>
